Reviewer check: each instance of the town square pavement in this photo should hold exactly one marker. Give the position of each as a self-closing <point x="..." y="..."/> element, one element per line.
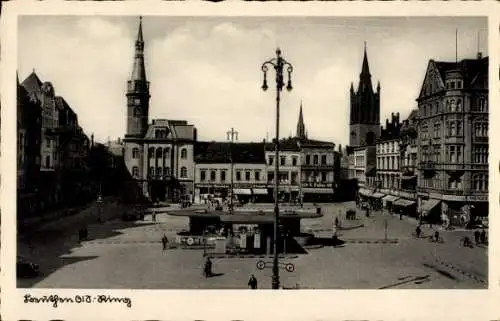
<point x="129" y="255"/>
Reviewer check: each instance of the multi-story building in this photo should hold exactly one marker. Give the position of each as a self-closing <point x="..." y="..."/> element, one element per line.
<point x="215" y="162"/>
<point x="44" y="92"/>
<point x="453" y="141"/>
<point x="160" y="155"/>
<point x="289" y="169"/>
<point x="363" y="168"/>
<point x="28" y="150"/>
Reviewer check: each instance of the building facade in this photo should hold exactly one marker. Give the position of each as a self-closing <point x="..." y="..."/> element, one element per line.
<point x="216" y="162"/>
<point x="388" y="156"/>
<point x="158" y="155"/>
<point x="453" y="141"/>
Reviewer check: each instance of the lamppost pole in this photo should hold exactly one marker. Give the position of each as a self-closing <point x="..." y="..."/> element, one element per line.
<point x="278" y="63"/>
<point x="231" y="135"/>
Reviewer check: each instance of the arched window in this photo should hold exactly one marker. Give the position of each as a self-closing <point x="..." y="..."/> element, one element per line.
<point x="135" y="172"/>
<point x="184" y="153"/>
<point x="166" y="152"/>
<point x="159" y="152"/>
<point x="151" y="152"/>
<point x="135" y="152"/>
<point x="183" y="172"/>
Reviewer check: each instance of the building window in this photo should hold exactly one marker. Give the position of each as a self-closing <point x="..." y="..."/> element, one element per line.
<point x="481" y="129"/>
<point x="257" y="175"/>
<point x="135" y="153"/>
<point x="480" y="154"/>
<point x="184" y="153"/>
<point x="455" y="183"/>
<point x="247" y="176"/>
<point x="135" y="171"/>
<point x="294" y="161"/>
<point x="308" y="159"/>
<point x="323" y="159"/>
<point x="425" y="131"/>
<point x="151" y="152"/>
<point x="282" y="160"/>
<point x="270" y="160"/>
<point x="270" y="177"/>
<point x="223" y="176"/>
<point x="480" y="182"/>
<point x="166" y="152"/>
<point x="184" y="172"/>
<point x="323" y="177"/>
<point x="482" y="105"/>
<point x="166" y="171"/>
<point x="459" y="128"/>
<point x="151" y="171"/>
<point x="238" y="176"/>
<point x="437" y="130"/>
<point x="47" y="143"/>
<point x="203" y="175"/>
<point x="315" y="157"/>
<point x="213" y="175"/>
<point x="159" y="153"/>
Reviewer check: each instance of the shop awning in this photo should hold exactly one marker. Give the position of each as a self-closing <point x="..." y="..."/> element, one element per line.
<point x="390" y="198"/>
<point x="403" y="203"/>
<point x="377" y="195"/>
<point x="288" y="188"/>
<point x="259" y="191"/>
<point x="364" y="192"/>
<point x="429" y="204"/>
<point x="310" y="190"/>
<point x="242" y="191"/>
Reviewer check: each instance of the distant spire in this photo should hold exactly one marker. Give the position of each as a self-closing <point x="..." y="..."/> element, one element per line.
<point x="378" y="86"/>
<point x="365" y="83"/>
<point x="352" y="87"/>
<point x="301" y="128"/>
<point x="139" y="70"/>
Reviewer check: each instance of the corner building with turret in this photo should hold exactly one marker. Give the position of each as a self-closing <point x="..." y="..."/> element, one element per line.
<point x="159" y="155"/>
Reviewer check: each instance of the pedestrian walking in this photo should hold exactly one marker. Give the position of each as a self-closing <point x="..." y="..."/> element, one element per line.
<point x="164" y="240"/>
<point x="207" y="271"/>
<point x="477" y="236"/>
<point x="418" y="231"/>
<point x="483" y="237"/>
<point x="336" y="221"/>
<point x="252" y="283"/>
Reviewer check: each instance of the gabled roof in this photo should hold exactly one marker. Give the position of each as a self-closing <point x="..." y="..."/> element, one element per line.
<point x="221" y="152"/>
<point x="33" y="84"/>
<point x="176" y="129"/>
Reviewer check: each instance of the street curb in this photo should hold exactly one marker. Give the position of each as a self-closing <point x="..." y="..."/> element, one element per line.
<point x="247" y="256"/>
<point x="389" y="241"/>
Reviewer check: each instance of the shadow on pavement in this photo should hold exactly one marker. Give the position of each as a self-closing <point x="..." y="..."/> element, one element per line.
<point x="48" y="248"/>
<point x="215" y="275"/>
<point x="49" y="267"/>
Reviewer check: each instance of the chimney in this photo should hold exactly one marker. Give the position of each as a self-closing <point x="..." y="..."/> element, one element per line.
<point x="479" y="55"/>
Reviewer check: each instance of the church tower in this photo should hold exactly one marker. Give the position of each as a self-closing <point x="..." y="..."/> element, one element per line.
<point x="301" y="128"/>
<point x="138" y="92"/>
<point x="365" y="109"/>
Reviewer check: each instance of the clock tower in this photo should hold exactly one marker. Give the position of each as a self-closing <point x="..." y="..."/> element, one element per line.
<point x="138" y="92"/>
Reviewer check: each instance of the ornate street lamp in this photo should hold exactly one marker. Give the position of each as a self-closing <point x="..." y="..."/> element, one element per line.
<point x="278" y="63"/>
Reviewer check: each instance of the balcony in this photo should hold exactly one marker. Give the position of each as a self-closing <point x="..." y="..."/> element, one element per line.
<point x="325" y="167"/>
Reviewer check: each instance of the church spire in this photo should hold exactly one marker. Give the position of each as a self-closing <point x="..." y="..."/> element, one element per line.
<point x="365" y="82"/>
<point x="301" y="128"/>
<point x="139" y="71"/>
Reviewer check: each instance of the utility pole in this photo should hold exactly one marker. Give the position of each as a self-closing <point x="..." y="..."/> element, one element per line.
<point x="232" y="135"/>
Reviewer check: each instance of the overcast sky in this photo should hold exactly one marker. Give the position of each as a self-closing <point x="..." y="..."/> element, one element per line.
<point x="207" y="70"/>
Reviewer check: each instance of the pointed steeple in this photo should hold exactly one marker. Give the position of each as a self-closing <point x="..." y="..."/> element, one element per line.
<point x="301" y="128"/>
<point x="365" y="82"/>
<point x="139" y="71"/>
<point x="365" y="70"/>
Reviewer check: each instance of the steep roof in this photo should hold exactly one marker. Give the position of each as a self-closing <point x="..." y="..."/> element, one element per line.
<point x="219" y="152"/>
<point x="33" y="84"/>
<point x="470" y="69"/>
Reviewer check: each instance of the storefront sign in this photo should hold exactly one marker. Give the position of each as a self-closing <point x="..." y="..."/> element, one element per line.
<point x="189" y="240"/>
<point x="319" y="185"/>
<point x="478" y="198"/>
<point x="453" y="198"/>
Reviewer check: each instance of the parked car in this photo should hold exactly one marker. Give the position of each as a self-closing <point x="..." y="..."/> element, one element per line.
<point x="26" y="269"/>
